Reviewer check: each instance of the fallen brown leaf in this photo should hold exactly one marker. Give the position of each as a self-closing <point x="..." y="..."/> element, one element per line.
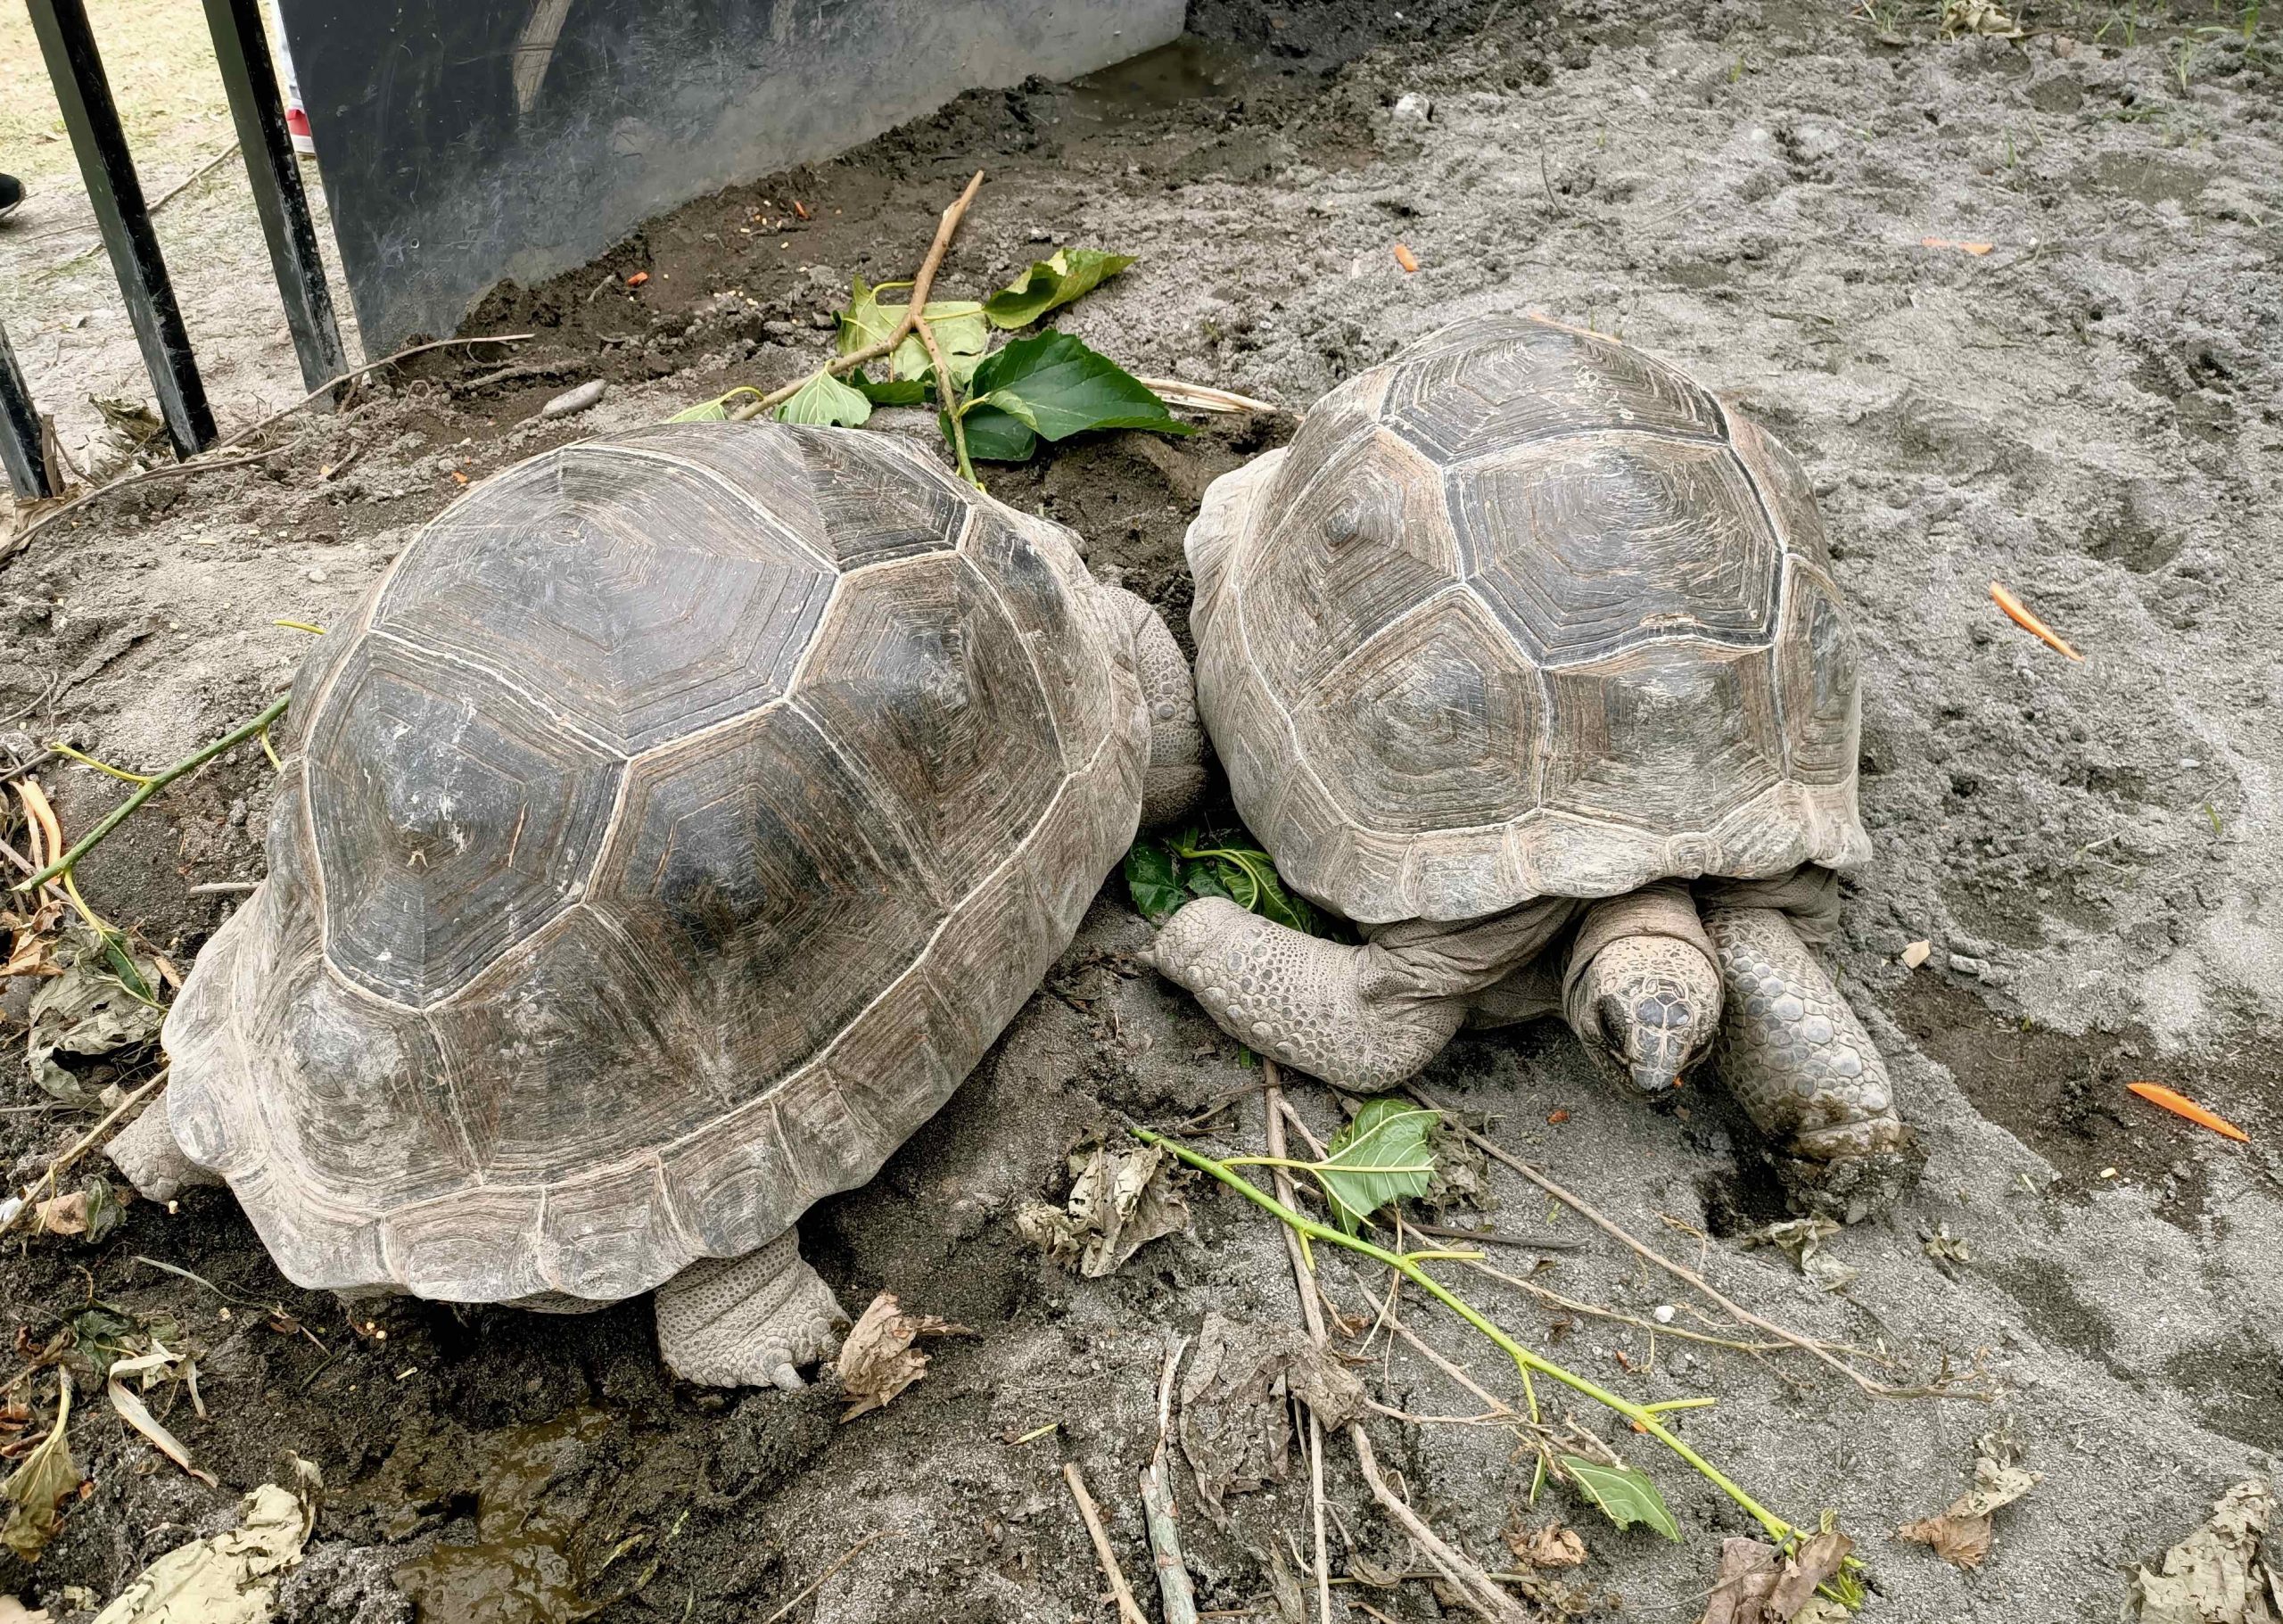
<point x="878" y="1361"/>
<point x="1960" y="1534"/>
<point x="1810" y="1566"/>
<point x="64" y="1214"/>
<point x="1739" y="1590"/>
<point x="1552" y="1546"/>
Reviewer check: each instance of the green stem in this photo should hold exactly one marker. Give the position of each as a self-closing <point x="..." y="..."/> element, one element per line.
<point x="1525" y="1361"/>
<point x="151" y="786"/>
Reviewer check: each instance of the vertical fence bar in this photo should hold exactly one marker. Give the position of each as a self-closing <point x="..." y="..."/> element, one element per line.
<point x="241" y="47"/>
<point x="23" y="444"/>
<point x="76" y="71"/>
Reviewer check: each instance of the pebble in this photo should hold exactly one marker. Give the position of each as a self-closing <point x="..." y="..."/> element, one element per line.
<point x="316" y="575"/>
<point x="1662" y="1314"/>
<point x="572" y="401"/>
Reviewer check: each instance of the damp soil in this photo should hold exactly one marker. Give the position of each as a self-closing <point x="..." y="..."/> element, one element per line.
<point x="2087" y="412"/>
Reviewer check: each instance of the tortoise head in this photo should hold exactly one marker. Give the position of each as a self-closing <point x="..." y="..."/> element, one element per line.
<point x="1649" y="1006"/>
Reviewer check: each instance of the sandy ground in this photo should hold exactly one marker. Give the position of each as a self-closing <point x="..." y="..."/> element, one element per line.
<point x="2091" y="412"/>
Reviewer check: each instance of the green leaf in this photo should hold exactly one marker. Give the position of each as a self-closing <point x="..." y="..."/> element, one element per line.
<point x="993" y="435"/>
<point x="889" y="391"/>
<point x="960" y="332"/>
<point x="1378" y="1157"/>
<point x="1058" y="387"/>
<point x="1151" y="882"/>
<point x="825" y="400"/>
<point x="1051" y="283"/>
<point x="1625" y="1495"/>
<point x="865" y="321"/>
<point x="1201" y="881"/>
<point x="716" y="410"/>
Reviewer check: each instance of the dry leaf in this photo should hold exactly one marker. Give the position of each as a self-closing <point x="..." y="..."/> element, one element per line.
<point x="1960" y="1536"/>
<point x="878" y="1361"/>
<point x="1552" y="1546"/>
<point x="232" y="1577"/>
<point x="1120" y="1200"/>
<point x="37" y="1486"/>
<point x="1810" y="1565"/>
<point x="1801" y="1240"/>
<point x="1235" y="1422"/>
<point x="134" y="1413"/>
<point x="64" y="1214"/>
<point x="1739" y="1591"/>
<point x="2217" y="1575"/>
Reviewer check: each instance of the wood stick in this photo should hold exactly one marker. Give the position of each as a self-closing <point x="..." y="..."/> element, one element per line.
<point x="921" y="285"/>
<point x="55" y="1168"/>
<point x="1127" y="1609"/>
<point x="1877" y="1389"/>
<point x="23" y="538"/>
<point x="817" y="1582"/>
<point x="1174" y="1589"/>
<point x="1303" y="1279"/>
<point x="1493" y="1238"/>
<point x="1473" y="1584"/>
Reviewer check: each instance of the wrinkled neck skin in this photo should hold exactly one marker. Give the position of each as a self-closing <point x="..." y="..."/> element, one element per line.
<point x="1641" y="987"/>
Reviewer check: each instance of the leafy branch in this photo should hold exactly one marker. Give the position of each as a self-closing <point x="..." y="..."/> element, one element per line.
<point x="1627" y="1494"/>
<point x="991" y="406"/>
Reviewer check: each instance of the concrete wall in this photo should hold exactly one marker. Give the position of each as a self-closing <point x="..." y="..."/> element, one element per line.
<point x="463" y="141"/>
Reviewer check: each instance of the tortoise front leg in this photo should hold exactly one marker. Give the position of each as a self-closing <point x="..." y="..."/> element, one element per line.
<point x="148" y="1153"/>
<point x="1357" y="1016"/>
<point x="749" y="1320"/>
<point x="1799" y="1063"/>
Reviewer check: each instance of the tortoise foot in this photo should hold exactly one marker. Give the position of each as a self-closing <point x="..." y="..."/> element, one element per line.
<point x="1333" y="1012"/>
<point x="1798" y="1060"/>
<point x="749" y="1321"/>
<point x="146" y="1152"/>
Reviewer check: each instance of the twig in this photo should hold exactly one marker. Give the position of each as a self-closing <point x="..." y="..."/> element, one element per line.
<point x="844" y="1558"/>
<point x="55" y="1168"/>
<point x="226" y="887"/>
<point x="165" y="471"/>
<point x="330" y="385"/>
<point x="1304" y="1277"/>
<point x="1486" y="1236"/>
<point x="23" y="538"/>
<point x="1877" y="1389"/>
<point x="195" y="177"/>
<point x="1203" y="396"/>
<point x="150" y="786"/>
<point x="1572" y="1305"/>
<point x="920" y="285"/>
<point x="1174" y="1590"/>
<point x="947" y="394"/>
<point x="1127" y="1609"/>
<point x="1473" y="1584"/>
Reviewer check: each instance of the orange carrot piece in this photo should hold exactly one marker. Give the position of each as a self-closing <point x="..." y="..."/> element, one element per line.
<point x="1976" y="249"/>
<point x="1406" y="257"/>
<point x="2181" y="1105"/>
<point x="637" y="278"/>
<point x="2018" y="612"/>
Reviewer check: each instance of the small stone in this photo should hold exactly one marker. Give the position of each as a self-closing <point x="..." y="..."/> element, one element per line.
<point x="572" y="401"/>
<point x="1412" y="108"/>
<point x="1916" y="954"/>
<point x="316" y="575"/>
<point x="1662" y="1314"/>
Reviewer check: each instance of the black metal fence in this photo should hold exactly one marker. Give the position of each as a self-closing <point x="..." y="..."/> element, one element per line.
<point x="76" y="69"/>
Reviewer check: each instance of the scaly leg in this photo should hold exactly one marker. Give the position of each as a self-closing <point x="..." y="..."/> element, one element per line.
<point x="1799" y="1063"/>
<point x="146" y="1152"/>
<point x="1175" y="775"/>
<point x="749" y="1320"/>
<point x="1353" y="1016"/>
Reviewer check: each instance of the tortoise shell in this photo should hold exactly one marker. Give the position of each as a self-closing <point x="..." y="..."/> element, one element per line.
<point x="677" y="823"/>
<point x="1525" y="612"/>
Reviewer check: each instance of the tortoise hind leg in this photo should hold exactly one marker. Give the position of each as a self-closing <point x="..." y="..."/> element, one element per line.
<point x="749" y="1320"/>
<point x="1352" y="1016"/>
<point x="1174" y="776"/>
<point x="1799" y="1063"/>
<point x="145" y="1150"/>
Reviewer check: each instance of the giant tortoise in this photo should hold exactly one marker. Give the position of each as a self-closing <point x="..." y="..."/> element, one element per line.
<point x="1526" y="657"/>
<point x="671" y="829"/>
